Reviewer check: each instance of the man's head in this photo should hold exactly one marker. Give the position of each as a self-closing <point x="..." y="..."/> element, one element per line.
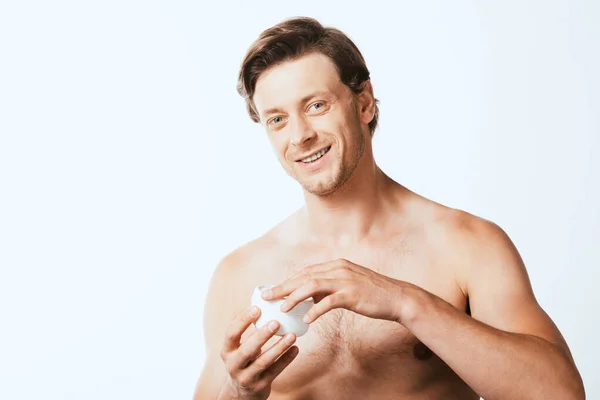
<point x="309" y="86"/>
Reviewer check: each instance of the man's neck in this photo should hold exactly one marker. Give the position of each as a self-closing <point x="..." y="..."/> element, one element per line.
<point x="359" y="208"/>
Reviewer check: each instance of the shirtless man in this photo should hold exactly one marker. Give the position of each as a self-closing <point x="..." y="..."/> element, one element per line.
<point x="414" y="300"/>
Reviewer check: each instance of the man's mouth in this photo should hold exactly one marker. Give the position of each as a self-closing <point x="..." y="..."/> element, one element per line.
<point x="315" y="156"/>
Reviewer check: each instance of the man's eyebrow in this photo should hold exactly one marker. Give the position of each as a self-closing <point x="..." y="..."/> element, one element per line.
<point x="271" y="111"/>
<point x="303" y="100"/>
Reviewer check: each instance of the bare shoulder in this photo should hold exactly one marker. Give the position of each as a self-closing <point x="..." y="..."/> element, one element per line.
<point x="236" y="269"/>
<point x="491" y="273"/>
<point x="236" y="273"/>
<point x="481" y="247"/>
<point x="459" y="226"/>
<point x="468" y="244"/>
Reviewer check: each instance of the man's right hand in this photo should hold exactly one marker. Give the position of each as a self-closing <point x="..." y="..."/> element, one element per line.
<point x="251" y="372"/>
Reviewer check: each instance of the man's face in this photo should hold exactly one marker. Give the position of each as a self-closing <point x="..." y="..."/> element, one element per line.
<point x="313" y="121"/>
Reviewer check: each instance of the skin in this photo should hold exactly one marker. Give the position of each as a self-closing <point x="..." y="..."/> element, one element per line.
<point x="392" y="273"/>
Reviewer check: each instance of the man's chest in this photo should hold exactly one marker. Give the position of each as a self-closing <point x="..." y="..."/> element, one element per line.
<point x="397" y="259"/>
<point x="350" y="342"/>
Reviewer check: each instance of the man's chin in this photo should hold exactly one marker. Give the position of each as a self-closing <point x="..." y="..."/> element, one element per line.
<point x="322" y="183"/>
<point x="321" y="188"/>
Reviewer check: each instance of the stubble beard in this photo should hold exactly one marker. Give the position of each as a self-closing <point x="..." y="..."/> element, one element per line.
<point x="340" y="174"/>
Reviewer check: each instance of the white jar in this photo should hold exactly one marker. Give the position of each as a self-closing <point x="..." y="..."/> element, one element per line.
<point x="290" y="321"/>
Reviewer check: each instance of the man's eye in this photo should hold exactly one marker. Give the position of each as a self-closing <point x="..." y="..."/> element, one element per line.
<point x="317" y="106"/>
<point x="276" y="120"/>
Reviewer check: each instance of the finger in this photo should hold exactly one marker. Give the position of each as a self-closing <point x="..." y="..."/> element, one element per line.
<point x="284" y="288"/>
<point x="336" y="300"/>
<point x="310" y="288"/>
<point x="251" y="348"/>
<point x="293" y="283"/>
<point x="238" y="327"/>
<point x="270" y="356"/>
<point x="321" y="267"/>
<point x="285" y="360"/>
<point x="328" y="266"/>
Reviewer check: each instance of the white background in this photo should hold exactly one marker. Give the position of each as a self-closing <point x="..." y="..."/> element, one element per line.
<point x="129" y="168"/>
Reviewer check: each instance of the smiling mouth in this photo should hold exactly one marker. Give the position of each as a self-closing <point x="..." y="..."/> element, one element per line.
<point x="315" y="156"/>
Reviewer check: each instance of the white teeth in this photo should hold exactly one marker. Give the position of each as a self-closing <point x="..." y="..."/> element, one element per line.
<point x="315" y="156"/>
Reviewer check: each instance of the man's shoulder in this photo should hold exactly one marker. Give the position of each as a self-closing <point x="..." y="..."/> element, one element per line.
<point x="254" y="253"/>
<point x="233" y="278"/>
<point x="245" y="257"/>
<point x="459" y="228"/>
<point x="468" y="243"/>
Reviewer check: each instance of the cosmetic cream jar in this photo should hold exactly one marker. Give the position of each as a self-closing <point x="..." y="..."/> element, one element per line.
<point x="290" y="321"/>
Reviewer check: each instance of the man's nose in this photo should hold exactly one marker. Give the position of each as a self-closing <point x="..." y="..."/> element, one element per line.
<point x="302" y="131"/>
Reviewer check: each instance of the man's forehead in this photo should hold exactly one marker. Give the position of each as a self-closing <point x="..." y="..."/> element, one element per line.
<point x="293" y="80"/>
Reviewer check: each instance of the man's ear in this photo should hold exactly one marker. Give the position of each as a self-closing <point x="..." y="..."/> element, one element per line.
<point x="366" y="102"/>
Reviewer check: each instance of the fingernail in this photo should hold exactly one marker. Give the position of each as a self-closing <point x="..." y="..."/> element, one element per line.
<point x="289" y="339"/>
<point x="284" y="307"/>
<point x="267" y="293"/>
<point x="306" y="319"/>
<point x="273" y="326"/>
<point x="254" y="311"/>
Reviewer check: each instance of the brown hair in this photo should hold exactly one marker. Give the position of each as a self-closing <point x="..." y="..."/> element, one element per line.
<point x="294" y="38"/>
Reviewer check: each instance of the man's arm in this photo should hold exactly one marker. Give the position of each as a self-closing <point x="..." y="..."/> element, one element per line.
<point x="239" y="366"/>
<point x="509" y="348"/>
<point x="219" y="311"/>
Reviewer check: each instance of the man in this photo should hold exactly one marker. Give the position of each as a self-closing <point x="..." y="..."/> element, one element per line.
<point x="413" y="299"/>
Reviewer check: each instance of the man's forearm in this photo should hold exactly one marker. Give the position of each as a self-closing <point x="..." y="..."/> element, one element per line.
<point x="494" y="363"/>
